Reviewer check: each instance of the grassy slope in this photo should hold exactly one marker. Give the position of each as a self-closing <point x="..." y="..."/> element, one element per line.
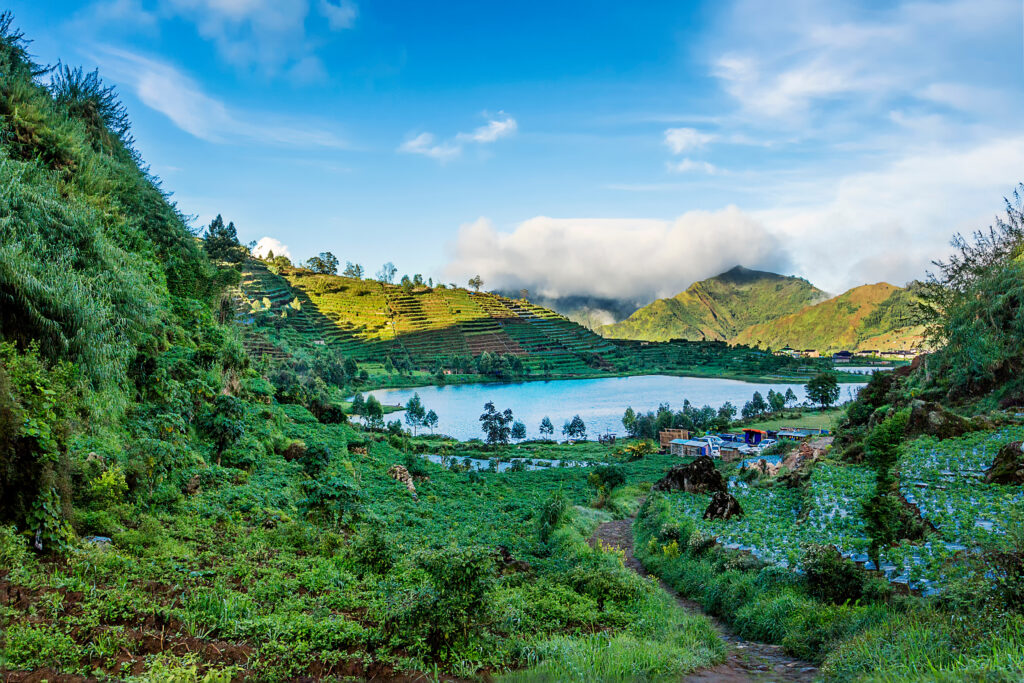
<point x="718" y="308"/>
<point x="865" y="317"/>
<point x="368" y="320"/>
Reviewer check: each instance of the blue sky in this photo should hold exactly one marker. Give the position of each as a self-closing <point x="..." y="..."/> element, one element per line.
<point x="601" y="148"/>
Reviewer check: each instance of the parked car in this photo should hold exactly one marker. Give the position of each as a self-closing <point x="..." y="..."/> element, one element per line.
<point x="766" y="444"/>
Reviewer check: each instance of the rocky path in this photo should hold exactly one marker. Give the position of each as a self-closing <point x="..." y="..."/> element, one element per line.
<point x="747" y="661"/>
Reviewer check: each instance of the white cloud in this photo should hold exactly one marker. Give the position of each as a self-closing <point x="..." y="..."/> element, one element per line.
<point x="496" y="128"/>
<point x="499" y="126"/>
<point x="266" y="245"/>
<point x="341" y="15"/>
<point x="680" y="140"/>
<point x="425" y="144"/>
<point x="889" y="223"/>
<point x="691" y="166"/>
<point x="614" y="258"/>
<point x="165" y="89"/>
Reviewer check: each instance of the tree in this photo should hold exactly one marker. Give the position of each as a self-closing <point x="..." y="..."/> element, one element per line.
<point x="758" y="404"/>
<point x="518" y="430"/>
<point x="776" y="400"/>
<point x="325" y="263"/>
<point x="415" y="413"/>
<point x="221" y="242"/>
<point x="496" y="425"/>
<point x="430" y="420"/>
<point x="406" y="285"/>
<point x="387" y="272"/>
<point x="546" y="428"/>
<point x="389" y="365"/>
<point x="374" y="413"/>
<point x="224" y="425"/>
<point x="358" y="405"/>
<point x="823" y="389"/>
<point x="790" y="396"/>
<point x="476" y="282"/>
<point x="575" y="429"/>
<point x="353" y="270"/>
<point x="629" y="420"/>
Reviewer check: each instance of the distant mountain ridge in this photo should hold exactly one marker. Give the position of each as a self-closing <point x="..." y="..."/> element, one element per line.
<point x="869" y="317"/>
<point x="743" y="306"/>
<point x="719" y="308"/>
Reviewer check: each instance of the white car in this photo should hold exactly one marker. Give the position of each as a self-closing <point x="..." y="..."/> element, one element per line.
<point x="715" y="441"/>
<point x="766" y="444"/>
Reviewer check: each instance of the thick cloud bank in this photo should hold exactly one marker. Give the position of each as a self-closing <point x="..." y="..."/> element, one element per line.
<point x="614" y="258"/>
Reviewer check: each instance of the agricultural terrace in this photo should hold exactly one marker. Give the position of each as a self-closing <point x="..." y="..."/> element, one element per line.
<point x="945" y="481"/>
<point x="440" y="329"/>
<point x="778" y="520"/>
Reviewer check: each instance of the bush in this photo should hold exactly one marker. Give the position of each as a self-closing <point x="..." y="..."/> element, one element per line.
<point x="831" y="577"/>
<point x="371" y="549"/>
<point x="449" y="604"/>
<point x="552" y="515"/>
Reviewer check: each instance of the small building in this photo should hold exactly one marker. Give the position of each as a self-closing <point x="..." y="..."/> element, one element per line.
<point x="793" y="434"/>
<point x="730" y="452"/>
<point x="842" y="357"/>
<point x="687" y="448"/>
<point x="809" y="353"/>
<point x="867" y="353"/>
<point x="752" y="437"/>
<point x="665" y="437"/>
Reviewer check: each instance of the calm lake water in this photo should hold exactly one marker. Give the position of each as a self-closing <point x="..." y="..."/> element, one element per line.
<point x="600" y="402"/>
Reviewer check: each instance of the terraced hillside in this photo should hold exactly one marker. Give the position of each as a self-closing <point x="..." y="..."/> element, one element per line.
<point x="369" y="320"/>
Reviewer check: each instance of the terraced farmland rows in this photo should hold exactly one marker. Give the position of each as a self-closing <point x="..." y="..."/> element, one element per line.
<point x="368" y="320"/>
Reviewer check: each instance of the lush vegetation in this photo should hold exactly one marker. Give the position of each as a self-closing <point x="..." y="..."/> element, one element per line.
<point x="878" y="317"/>
<point x="908" y="564"/>
<point x="184" y="497"/>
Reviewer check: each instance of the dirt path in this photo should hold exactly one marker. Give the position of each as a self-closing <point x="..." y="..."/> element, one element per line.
<point x="747" y="661"/>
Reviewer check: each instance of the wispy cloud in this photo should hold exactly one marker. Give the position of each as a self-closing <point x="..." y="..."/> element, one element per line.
<point x="167" y="90"/>
<point x="691" y="166"/>
<point x="276" y="37"/>
<point x="340" y="15"/>
<point x="498" y="126"/>
<point x="681" y="140"/>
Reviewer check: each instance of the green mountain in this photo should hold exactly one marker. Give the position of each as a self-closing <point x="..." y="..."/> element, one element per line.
<point x="877" y="317"/>
<point x="718" y="308"/>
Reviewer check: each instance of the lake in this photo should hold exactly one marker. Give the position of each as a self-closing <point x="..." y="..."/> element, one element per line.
<point x="600" y="402"/>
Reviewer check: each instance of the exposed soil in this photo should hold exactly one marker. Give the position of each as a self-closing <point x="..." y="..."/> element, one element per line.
<point x="747" y="660"/>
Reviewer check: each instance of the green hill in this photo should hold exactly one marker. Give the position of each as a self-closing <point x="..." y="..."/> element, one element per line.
<point x="718" y="308"/>
<point x="369" y="320"/>
<point x="866" y="317"/>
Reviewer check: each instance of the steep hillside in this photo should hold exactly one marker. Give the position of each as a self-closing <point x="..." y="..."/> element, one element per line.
<point x="718" y="308"/>
<point x="866" y="317"/>
<point x="370" y="320"/>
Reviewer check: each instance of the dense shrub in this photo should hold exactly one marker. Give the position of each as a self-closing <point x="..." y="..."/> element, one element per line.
<point x="830" y="576"/>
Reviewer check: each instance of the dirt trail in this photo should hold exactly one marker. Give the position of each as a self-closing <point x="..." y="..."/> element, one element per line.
<point x="747" y="661"/>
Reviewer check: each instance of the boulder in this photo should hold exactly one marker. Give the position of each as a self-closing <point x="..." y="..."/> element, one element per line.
<point x="400" y="474"/>
<point x="929" y="418"/>
<point x="723" y="506"/>
<point x="192" y="485"/>
<point x="763" y="467"/>
<point x="1008" y="467"/>
<point x="699" y="476"/>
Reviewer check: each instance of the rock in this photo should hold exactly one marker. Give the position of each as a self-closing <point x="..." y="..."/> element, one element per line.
<point x="294" y="451"/>
<point x="765" y="468"/>
<point x="699" y="476"/>
<point x="723" y="506"/>
<point x="400" y="474"/>
<point x="192" y="487"/>
<point x="927" y="417"/>
<point x="1008" y="467"/>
